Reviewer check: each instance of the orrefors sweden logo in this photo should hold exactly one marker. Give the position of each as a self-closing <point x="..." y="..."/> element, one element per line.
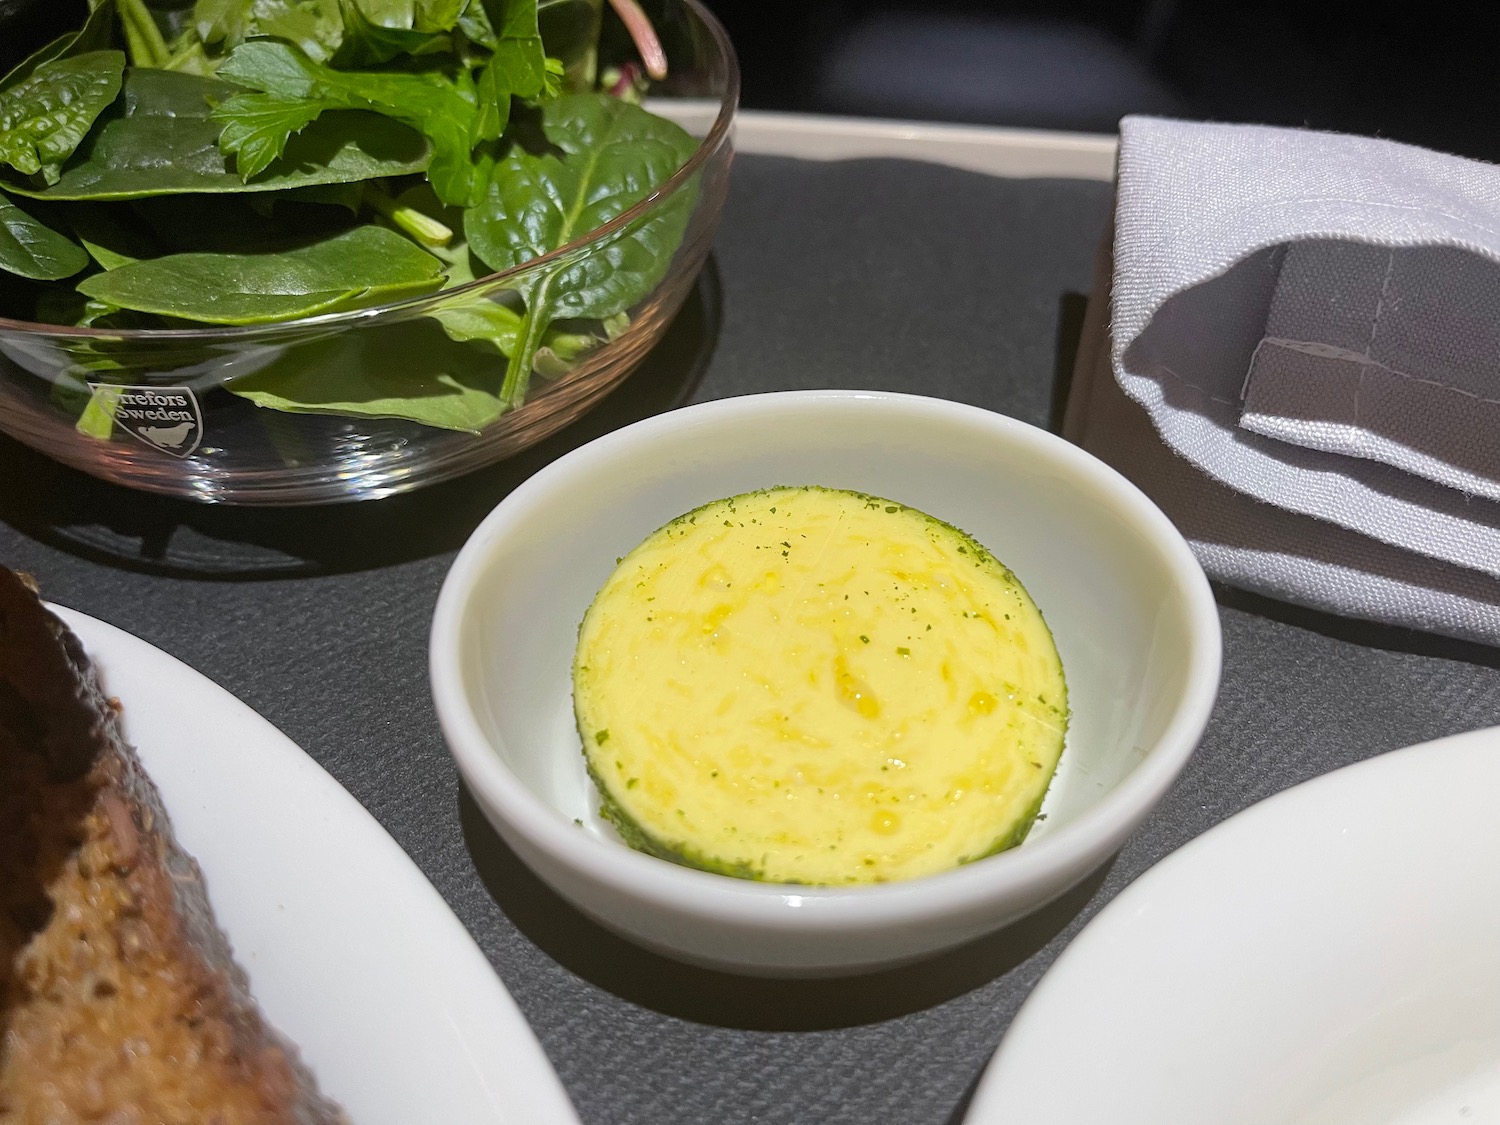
<point x="165" y="418"/>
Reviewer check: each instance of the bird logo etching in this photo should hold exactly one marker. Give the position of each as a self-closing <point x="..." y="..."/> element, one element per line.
<point x="172" y="436"/>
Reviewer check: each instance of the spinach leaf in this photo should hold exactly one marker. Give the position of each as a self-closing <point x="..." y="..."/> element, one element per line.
<point x="409" y="370"/>
<point x="480" y="319"/>
<point x="160" y="140"/>
<point x="602" y="156"/>
<point x="365" y="266"/>
<point x="442" y="108"/>
<point x="44" y="117"/>
<point x="30" y="248"/>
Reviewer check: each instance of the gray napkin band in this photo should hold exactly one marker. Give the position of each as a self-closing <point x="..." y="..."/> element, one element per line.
<point x="1391" y="355"/>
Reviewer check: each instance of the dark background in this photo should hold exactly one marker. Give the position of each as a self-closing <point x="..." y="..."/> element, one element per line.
<point x="1418" y="72"/>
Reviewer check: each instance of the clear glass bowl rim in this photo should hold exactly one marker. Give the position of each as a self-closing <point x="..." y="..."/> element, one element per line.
<point x="707" y="147"/>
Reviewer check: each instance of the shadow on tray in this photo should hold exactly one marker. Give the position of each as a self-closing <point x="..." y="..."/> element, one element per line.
<point x="74" y="512"/>
<point x="751" y="1003"/>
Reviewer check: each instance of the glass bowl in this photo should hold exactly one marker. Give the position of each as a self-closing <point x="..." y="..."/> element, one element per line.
<point x="175" y="411"/>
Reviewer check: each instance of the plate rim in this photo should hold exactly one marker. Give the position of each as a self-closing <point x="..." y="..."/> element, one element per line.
<point x="988" y="1106"/>
<point x="107" y="644"/>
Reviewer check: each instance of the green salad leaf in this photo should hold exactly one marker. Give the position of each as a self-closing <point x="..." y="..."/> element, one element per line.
<point x="45" y="116"/>
<point x="414" y="370"/>
<point x="411" y="370"/>
<point x="442" y="108"/>
<point x="437" y="15"/>
<point x="481" y="319"/>
<point x="518" y="66"/>
<point x="315" y="26"/>
<point x="596" y="158"/>
<point x="365" y="266"/>
<point x="258" y="126"/>
<point x="366" y="43"/>
<point x="160" y="140"/>
<point x="30" y="248"/>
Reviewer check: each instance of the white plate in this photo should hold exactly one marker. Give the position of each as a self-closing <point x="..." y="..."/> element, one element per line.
<point x="350" y="951"/>
<point x="1330" y="955"/>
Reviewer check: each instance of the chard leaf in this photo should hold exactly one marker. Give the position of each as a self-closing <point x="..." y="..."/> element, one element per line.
<point x="364" y="266"/>
<point x="258" y="126"/>
<point x="409" y="370"/>
<point x="44" y="117"/>
<point x="440" y="107"/>
<point x="30" y="248"/>
<point x="160" y="140"/>
<point x="601" y="156"/>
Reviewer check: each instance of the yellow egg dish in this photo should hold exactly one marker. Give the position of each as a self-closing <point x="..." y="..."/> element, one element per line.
<point x="806" y="685"/>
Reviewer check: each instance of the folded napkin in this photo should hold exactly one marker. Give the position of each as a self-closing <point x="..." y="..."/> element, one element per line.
<point x="1304" y="344"/>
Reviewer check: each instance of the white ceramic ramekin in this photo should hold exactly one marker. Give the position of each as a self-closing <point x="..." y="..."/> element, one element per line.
<point x="1129" y="607"/>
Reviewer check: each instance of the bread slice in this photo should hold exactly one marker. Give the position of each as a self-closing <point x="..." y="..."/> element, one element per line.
<point x="120" y="1002"/>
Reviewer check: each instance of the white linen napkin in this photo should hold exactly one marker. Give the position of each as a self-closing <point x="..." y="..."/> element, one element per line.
<point x="1311" y="324"/>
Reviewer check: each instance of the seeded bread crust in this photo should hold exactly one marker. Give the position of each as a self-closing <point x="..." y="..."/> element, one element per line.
<point x="120" y="1001"/>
